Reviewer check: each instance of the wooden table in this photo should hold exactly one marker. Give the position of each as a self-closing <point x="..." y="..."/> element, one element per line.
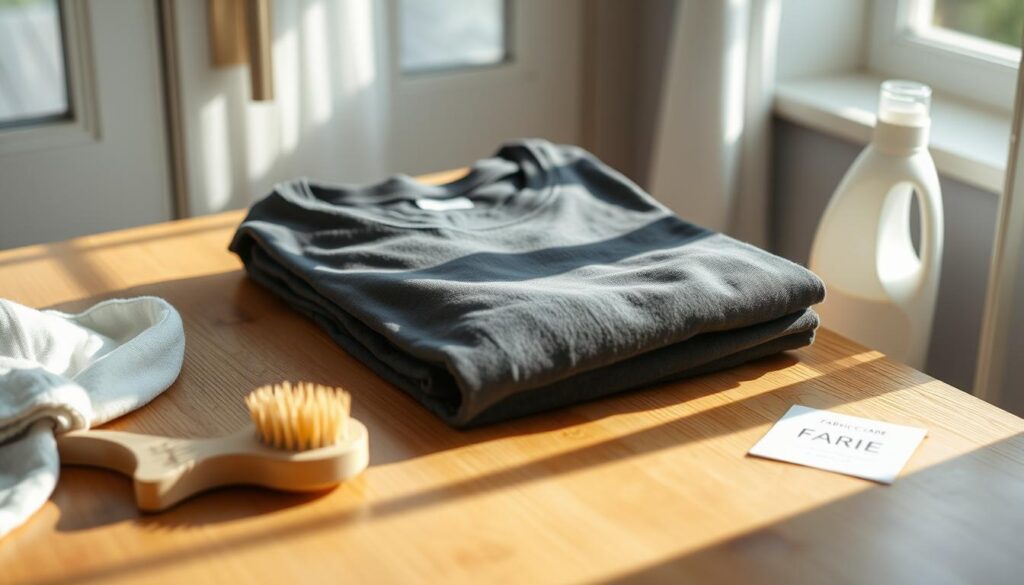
<point x="651" y="485"/>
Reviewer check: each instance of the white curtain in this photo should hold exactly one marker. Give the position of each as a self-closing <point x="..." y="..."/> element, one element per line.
<point x="712" y="145"/>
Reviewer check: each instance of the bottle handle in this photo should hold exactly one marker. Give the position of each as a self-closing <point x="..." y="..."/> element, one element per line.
<point x="900" y="269"/>
<point x="930" y="222"/>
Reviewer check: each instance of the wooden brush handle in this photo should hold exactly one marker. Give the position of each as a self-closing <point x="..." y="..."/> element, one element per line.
<point x="168" y="470"/>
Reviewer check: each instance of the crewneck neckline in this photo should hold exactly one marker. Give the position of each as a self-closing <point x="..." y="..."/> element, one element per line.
<point x="372" y="202"/>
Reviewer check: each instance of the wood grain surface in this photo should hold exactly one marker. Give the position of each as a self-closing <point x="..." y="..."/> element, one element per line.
<point x="652" y="485"/>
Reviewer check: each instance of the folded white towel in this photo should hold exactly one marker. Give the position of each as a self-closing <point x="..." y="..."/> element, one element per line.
<point x="61" y="372"/>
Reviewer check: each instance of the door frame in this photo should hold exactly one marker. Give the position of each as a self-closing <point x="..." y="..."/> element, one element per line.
<point x="177" y="170"/>
<point x="1007" y="255"/>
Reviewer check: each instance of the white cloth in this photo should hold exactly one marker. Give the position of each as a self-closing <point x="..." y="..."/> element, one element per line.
<point x="61" y="372"/>
<point x="712" y="150"/>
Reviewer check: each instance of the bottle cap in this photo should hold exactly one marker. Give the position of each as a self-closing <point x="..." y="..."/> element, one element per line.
<point x="905" y="103"/>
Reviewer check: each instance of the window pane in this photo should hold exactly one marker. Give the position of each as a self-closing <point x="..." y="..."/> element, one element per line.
<point x="996" y="20"/>
<point x="446" y="34"/>
<point x="32" y="81"/>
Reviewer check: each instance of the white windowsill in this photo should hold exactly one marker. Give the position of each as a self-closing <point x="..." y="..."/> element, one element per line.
<point x="969" y="143"/>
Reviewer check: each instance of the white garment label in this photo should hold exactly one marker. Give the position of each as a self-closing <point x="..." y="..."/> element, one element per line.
<point x="837" y="442"/>
<point x="444" y="204"/>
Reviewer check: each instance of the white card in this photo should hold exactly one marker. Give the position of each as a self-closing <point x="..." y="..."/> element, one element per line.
<point x="851" y="445"/>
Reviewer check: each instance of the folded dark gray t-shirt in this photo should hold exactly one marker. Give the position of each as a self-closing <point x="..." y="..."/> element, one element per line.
<point x="542" y="278"/>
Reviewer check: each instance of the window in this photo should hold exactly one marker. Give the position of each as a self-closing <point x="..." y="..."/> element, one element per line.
<point x="451" y="34"/>
<point x="999" y="21"/>
<point x="33" y="83"/>
<point x="967" y="48"/>
<point x="983" y="28"/>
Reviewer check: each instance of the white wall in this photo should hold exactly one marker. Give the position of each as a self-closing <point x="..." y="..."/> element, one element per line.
<point x="343" y="113"/>
<point x="821" y="36"/>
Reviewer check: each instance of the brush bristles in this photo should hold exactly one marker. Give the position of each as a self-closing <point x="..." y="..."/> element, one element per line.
<point x="300" y="417"/>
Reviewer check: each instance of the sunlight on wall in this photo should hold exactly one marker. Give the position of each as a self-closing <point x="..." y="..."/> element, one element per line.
<point x="735" y="73"/>
<point x="262" y="120"/>
<point x="329" y="116"/>
<point x="316" y="58"/>
<point x="362" y="80"/>
<point x="360" y="71"/>
<point x="286" y="75"/>
<point x="216" y="152"/>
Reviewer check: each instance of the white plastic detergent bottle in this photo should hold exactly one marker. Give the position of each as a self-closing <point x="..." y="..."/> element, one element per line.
<point x="880" y="292"/>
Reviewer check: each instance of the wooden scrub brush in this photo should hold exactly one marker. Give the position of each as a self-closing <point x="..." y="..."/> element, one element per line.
<point x="301" y="439"/>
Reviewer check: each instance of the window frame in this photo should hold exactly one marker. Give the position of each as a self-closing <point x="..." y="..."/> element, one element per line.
<point x="961" y="65"/>
<point x="1004" y="281"/>
<point x="81" y="125"/>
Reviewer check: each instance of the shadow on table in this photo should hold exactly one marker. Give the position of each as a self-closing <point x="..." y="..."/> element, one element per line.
<point x="959" y="521"/>
<point x="101" y="497"/>
<point x="876" y="505"/>
<point x="924" y="528"/>
<point x="239" y="336"/>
